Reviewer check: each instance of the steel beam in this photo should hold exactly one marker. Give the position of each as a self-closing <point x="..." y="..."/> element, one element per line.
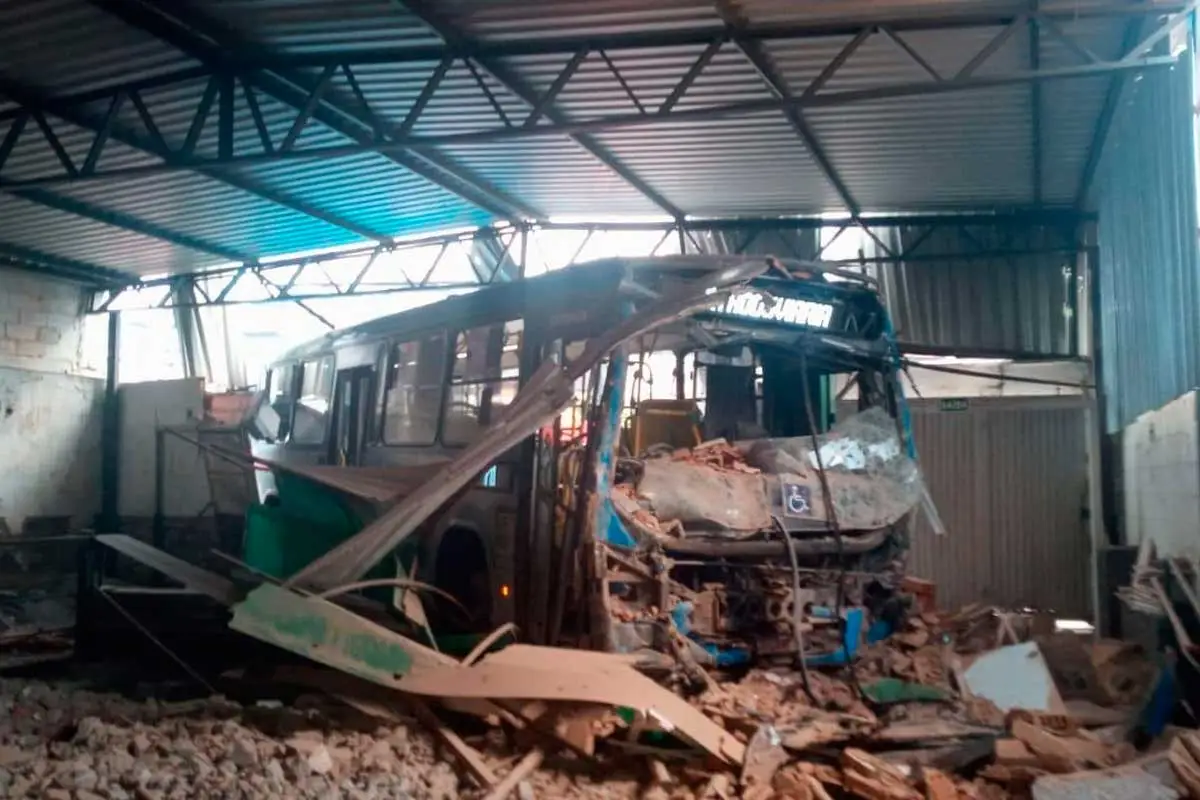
<point x="124" y="221"/>
<point x="456" y="40"/>
<point x="193" y="34"/>
<point x="763" y="65"/>
<point x="400" y="143"/>
<point x="1112" y="99"/>
<point x="948" y="20"/>
<point x="26" y="258"/>
<point x="36" y="102"/>
<point x="873" y="224"/>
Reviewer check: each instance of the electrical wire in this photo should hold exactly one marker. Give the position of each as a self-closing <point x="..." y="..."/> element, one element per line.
<point x="831" y="514"/>
<point x="797" y="610"/>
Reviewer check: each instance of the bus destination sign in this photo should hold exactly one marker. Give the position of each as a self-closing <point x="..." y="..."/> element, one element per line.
<point x="786" y="310"/>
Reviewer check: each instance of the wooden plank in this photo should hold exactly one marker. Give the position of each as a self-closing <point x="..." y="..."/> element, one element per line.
<point x="338" y="638"/>
<point x="199" y="580"/>
<point x="520" y="772"/>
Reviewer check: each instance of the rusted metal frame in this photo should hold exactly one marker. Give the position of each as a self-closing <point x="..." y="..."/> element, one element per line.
<point x="200" y="118"/>
<point x="212" y="43"/>
<point x="60" y="152"/>
<point x="989" y="49"/>
<point x="689" y="77"/>
<point x="260" y="124"/>
<point x="306" y="111"/>
<point x="633" y="98"/>
<point x="1104" y="120"/>
<point x="427" y="92"/>
<point x="424" y="11"/>
<point x="12" y="137"/>
<point x="101" y="138"/>
<point x="910" y="51"/>
<point x="551" y="94"/>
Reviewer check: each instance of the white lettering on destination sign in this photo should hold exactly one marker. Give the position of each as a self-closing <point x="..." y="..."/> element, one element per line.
<point x="788" y="310"/>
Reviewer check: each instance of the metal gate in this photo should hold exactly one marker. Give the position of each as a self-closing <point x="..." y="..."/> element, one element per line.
<point x="1009" y="477"/>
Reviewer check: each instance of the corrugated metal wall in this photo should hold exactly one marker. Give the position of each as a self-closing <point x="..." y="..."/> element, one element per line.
<point x="951" y="293"/>
<point x="1149" y="303"/>
<point x="1009" y="478"/>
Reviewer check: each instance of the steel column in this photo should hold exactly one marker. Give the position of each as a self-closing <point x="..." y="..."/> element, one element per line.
<point x="109" y="520"/>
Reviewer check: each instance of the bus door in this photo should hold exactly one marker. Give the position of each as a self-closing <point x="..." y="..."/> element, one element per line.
<point x="353" y="395"/>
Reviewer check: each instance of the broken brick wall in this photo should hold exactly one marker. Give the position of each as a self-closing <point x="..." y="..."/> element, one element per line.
<point x="49" y="411"/>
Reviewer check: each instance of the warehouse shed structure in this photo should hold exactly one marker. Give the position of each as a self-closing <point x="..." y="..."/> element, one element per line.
<point x="1018" y="175"/>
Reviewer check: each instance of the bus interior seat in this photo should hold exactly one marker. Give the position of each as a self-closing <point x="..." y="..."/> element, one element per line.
<point x="674" y="423"/>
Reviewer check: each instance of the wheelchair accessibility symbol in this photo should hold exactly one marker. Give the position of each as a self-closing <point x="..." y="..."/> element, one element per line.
<point x="797" y="500"/>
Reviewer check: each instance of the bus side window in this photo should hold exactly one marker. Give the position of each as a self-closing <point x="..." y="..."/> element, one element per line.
<point x="415" y="380"/>
<point x="281" y="386"/>
<point x="483" y="381"/>
<point x="313" y="405"/>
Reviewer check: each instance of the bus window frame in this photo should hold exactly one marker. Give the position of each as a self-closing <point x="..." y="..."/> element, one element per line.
<point x="385" y="390"/>
<point x="298" y="383"/>
<point x="452" y="340"/>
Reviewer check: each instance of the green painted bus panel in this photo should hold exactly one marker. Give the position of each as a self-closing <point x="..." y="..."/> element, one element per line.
<point x="309" y="628"/>
<point x="308" y="521"/>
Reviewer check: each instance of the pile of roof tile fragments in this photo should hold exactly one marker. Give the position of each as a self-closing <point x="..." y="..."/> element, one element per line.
<point x="948" y="708"/>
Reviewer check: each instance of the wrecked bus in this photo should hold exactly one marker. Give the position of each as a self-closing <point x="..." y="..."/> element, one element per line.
<point x="499" y="456"/>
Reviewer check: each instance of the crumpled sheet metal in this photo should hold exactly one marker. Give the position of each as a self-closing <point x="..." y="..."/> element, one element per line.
<point x="872" y="481"/>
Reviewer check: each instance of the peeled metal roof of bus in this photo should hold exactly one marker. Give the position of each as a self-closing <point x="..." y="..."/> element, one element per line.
<point x="255" y="176"/>
<point x="561" y="288"/>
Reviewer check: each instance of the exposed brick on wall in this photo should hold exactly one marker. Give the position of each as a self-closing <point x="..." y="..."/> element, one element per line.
<point x="49" y="413"/>
<point x="41" y="324"/>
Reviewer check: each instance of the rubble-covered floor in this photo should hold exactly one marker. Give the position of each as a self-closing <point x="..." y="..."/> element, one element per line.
<point x="912" y="720"/>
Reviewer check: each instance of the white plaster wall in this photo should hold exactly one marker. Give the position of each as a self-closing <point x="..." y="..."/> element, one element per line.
<point x="1161" y="467"/>
<point x="145" y="407"/>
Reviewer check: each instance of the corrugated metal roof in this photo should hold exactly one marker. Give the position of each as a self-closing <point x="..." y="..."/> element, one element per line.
<point x="957" y="151"/>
